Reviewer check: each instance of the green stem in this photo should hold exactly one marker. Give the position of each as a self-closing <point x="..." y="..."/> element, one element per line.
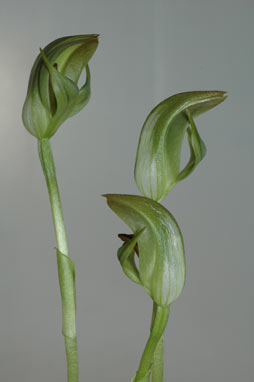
<point x="66" y="271"/>
<point x="160" y="319"/>
<point x="158" y="362"/>
<point x="158" y="357"/>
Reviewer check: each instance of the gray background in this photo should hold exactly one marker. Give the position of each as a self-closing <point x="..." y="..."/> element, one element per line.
<point x="148" y="51"/>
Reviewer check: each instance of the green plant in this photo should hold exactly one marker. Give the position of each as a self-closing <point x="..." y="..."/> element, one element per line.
<point x="156" y="238"/>
<point x="52" y="97"/>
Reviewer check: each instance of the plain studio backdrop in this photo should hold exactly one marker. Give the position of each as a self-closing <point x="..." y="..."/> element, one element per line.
<point x="148" y="51"/>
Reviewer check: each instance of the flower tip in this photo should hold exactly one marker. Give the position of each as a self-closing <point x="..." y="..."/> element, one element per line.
<point x="221" y="95"/>
<point x="224" y="94"/>
<point x="108" y="196"/>
<point x="94" y="37"/>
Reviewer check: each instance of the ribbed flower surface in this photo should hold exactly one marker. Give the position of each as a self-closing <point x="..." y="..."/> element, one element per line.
<point x="157" y="167"/>
<point x="53" y="94"/>
<point x="161" y="261"/>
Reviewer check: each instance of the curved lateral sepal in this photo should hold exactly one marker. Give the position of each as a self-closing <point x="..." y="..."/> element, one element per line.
<point x="126" y="256"/>
<point x="84" y="94"/>
<point x="64" y="91"/>
<point x="197" y="149"/>
<point x="161" y="249"/>
<point x="159" y="150"/>
<point x="53" y="93"/>
<point x="66" y="274"/>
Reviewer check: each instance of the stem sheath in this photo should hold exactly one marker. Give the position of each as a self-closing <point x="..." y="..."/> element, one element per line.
<point x="66" y="272"/>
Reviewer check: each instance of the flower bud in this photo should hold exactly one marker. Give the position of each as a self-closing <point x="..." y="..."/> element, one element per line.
<point x="53" y="94"/>
<point x="161" y="260"/>
<point x="157" y="167"/>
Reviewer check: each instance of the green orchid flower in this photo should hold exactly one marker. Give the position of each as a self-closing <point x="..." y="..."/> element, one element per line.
<point x="156" y="239"/>
<point x="157" y="167"/>
<point x="159" y="243"/>
<point x="53" y="94"/>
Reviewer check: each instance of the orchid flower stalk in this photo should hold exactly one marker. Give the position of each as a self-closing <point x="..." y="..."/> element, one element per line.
<point x="52" y="97"/>
<point x="153" y="255"/>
